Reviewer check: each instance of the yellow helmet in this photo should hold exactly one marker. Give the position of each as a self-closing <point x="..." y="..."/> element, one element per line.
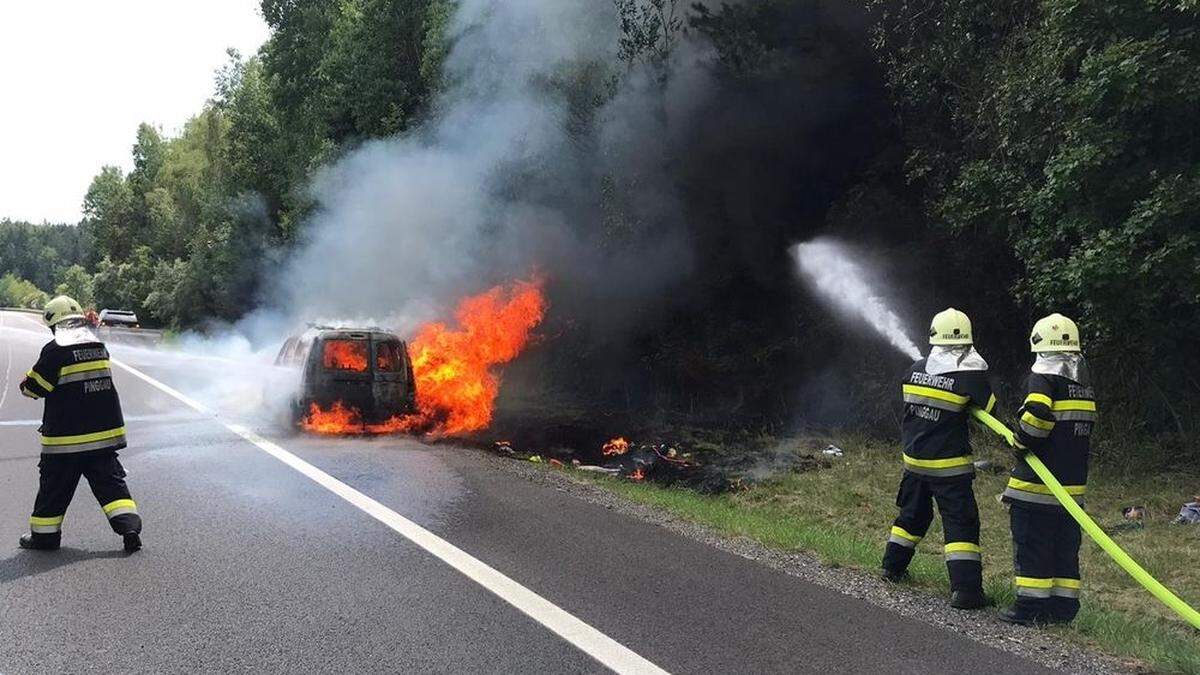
<point x="950" y="327"/>
<point x="60" y="309"/>
<point x="1055" y="333"/>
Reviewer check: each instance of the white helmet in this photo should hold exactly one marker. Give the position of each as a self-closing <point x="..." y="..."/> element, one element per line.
<point x="1054" y="333"/>
<point x="60" y="309"/>
<point x="950" y="327"/>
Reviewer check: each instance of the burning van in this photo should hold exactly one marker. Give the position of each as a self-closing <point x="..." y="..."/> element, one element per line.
<point x="365" y="370"/>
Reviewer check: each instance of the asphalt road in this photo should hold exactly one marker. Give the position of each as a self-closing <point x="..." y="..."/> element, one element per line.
<point x="251" y="565"/>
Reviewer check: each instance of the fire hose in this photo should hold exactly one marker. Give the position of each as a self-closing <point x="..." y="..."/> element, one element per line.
<point x="1093" y="530"/>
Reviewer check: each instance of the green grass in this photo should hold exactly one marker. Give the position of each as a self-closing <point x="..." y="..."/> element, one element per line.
<point x="841" y="514"/>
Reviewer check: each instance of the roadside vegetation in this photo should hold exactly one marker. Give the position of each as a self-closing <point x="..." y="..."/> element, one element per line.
<point x="842" y="514"/>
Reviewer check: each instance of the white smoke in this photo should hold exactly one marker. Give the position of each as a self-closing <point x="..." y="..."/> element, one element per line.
<point x="493" y="185"/>
<point x="842" y="282"/>
<point x="501" y="179"/>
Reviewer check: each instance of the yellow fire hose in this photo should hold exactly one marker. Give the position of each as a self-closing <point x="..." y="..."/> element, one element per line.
<point x="1093" y="530"/>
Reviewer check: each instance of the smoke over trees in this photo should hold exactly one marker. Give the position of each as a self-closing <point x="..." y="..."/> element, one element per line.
<point x="656" y="159"/>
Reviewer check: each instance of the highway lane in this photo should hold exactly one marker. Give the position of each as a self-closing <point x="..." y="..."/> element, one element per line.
<point x="250" y="565"/>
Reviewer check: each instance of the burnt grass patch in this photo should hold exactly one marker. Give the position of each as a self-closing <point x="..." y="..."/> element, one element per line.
<point x="709" y="461"/>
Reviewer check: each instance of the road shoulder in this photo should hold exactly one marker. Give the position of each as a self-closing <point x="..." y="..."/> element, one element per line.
<point x="1043" y="648"/>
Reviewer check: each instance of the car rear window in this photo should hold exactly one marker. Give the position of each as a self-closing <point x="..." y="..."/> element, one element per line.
<point x="389" y="357"/>
<point x="348" y="355"/>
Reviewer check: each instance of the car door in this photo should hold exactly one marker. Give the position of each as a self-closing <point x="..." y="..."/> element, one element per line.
<point x="390" y="361"/>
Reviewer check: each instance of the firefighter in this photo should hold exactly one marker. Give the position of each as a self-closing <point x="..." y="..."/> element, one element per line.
<point x="1056" y="421"/>
<point x="82" y="430"/>
<point x="938" y="391"/>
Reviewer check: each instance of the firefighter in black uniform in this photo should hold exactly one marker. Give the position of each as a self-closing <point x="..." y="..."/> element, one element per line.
<point x="938" y="391"/>
<point x="82" y="430"/>
<point x="1056" y="423"/>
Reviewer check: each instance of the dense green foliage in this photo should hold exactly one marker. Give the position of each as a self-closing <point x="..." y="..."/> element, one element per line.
<point x="1013" y="158"/>
<point x="41" y="253"/>
<point x="1061" y="134"/>
<point x="18" y="292"/>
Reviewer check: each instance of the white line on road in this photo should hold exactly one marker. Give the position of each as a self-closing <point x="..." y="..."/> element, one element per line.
<point x="7" y="367"/>
<point x="587" y="639"/>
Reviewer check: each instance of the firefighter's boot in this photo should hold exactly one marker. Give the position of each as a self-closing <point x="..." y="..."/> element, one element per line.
<point x="133" y="542"/>
<point x="968" y="598"/>
<point x="41" y="542"/>
<point x="1026" y="613"/>
<point x="1062" y="610"/>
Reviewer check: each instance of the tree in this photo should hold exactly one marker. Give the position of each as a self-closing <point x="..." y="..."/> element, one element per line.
<point x="108" y="210"/>
<point x="127" y="284"/>
<point x="258" y="154"/>
<point x="18" y="292"/>
<point x="650" y="29"/>
<point x="77" y="283"/>
<point x="148" y="157"/>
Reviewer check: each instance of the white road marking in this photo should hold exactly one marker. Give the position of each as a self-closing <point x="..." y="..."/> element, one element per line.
<point x="7" y="367"/>
<point x="607" y="651"/>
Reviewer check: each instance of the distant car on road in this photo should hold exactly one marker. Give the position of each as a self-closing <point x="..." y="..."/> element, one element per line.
<point x="118" y="318"/>
<point x="366" y="369"/>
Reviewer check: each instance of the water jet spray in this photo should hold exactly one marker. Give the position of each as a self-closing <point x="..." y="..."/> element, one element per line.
<point x="831" y="270"/>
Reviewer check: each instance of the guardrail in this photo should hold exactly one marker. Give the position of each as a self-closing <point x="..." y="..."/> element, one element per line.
<point x="145" y="337"/>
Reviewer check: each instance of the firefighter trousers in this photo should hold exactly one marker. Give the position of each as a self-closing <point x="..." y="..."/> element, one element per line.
<point x="1046" y="543"/>
<point x="960" y="521"/>
<point x="59" y="477"/>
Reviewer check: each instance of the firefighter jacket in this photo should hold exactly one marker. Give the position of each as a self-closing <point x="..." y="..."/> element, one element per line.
<point x="83" y="412"/>
<point x="1056" y="424"/>
<point x="934" y="428"/>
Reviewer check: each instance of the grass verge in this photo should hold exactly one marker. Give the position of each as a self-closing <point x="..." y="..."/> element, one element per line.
<point x="841" y="515"/>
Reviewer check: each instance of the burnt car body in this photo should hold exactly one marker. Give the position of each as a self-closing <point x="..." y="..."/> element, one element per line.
<point x="367" y="369"/>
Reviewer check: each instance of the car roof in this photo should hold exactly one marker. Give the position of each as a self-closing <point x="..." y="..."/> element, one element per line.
<point x="346" y="333"/>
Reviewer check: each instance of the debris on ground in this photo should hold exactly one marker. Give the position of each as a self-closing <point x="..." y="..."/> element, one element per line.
<point x="698" y="461"/>
<point x="1134" y="517"/>
<point x="1134" y="513"/>
<point x="598" y="469"/>
<point x="1190" y="513"/>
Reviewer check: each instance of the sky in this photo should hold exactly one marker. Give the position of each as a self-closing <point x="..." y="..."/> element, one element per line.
<point x="78" y="76"/>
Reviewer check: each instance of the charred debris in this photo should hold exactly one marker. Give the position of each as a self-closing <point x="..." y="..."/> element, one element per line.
<point x="704" y="461"/>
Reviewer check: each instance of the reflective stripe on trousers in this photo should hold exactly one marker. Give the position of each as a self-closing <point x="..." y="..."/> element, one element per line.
<point x="963" y="550"/>
<point x="902" y="537"/>
<point x="1034" y="587"/>
<point x="119" y="508"/>
<point x="45" y="525"/>
<point x="1065" y="588"/>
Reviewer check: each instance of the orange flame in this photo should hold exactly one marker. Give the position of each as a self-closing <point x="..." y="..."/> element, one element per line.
<point x="345" y="355"/>
<point x="456" y="382"/>
<point x="617" y="446"/>
<point x="454" y="369"/>
<point x="637" y="474"/>
<point x="339" y="419"/>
